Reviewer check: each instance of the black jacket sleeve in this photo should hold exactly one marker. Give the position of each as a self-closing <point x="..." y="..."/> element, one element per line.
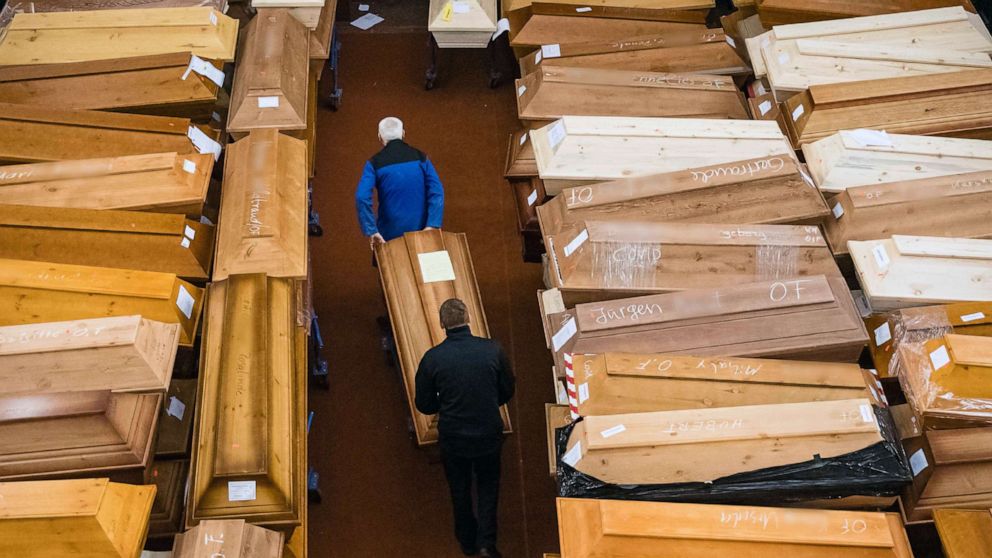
<point x="426" y="398"/>
<point x="506" y="381"/>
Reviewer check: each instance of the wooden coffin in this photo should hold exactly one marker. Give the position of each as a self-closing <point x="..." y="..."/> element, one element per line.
<point x="705" y="51"/>
<point x="951" y="469"/>
<point x="578" y="150"/>
<point x="946" y="380"/>
<point x="918" y="43"/>
<point x="419" y="271"/>
<point x="51" y="38"/>
<point x="39" y="292"/>
<point x="40" y="6"/>
<point x="616" y="259"/>
<point x="958" y="205"/>
<point x="169" y="478"/>
<point x="175" y="421"/>
<point x="160" y="182"/>
<point x="86" y="518"/>
<point x="322" y="35"/>
<point x="75" y="433"/>
<point x="551" y="93"/>
<point x="778" y="12"/>
<point x="562" y="25"/>
<point x="621" y="383"/>
<point x="624" y="529"/>
<point x="520" y="162"/>
<point x="232" y="538"/>
<point x="768" y="190"/>
<point x="855" y="158"/>
<point x="175" y="84"/>
<point x="162" y="242"/>
<point x="126" y="353"/>
<point x="916" y="325"/>
<point x="251" y="406"/>
<point x="263" y="208"/>
<point x="964" y="533"/>
<point x="32" y="134"/>
<point x="555" y="416"/>
<point x="702" y="445"/>
<point x="906" y="271"/>
<point x="469" y="24"/>
<point x="270" y="83"/>
<point x="956" y="104"/>
<point x="803" y="319"/>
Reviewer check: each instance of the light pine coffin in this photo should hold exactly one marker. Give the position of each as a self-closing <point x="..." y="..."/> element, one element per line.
<point x="86" y="518"/>
<point x="263" y="210"/>
<point x="251" y="406"/>
<point x="160" y="182"/>
<point x="623" y="529"/>
<point x="906" y="271"/>
<point x="231" y="538"/>
<point x="270" y="83"/>
<point x="856" y="158"/>
<point x="563" y="26"/>
<point x="955" y="104"/>
<point x="126" y="353"/>
<point x="75" y="433"/>
<point x="159" y="242"/>
<point x="40" y="6"/>
<point x="813" y="318"/>
<point x="918" y="43"/>
<point x="958" y="205"/>
<point x="616" y="259"/>
<point x="54" y="37"/>
<point x="777" y="12"/>
<point x="767" y="190"/>
<point x="578" y="150"/>
<point x="620" y="383"/>
<point x="551" y="93"/>
<point x="175" y="84"/>
<point x="964" y="533"/>
<point x="705" y="51"/>
<point x="419" y="271"/>
<point x="946" y="380"/>
<point x="951" y="469"/>
<point x="469" y="25"/>
<point x="30" y="134"/>
<point x="39" y="292"/>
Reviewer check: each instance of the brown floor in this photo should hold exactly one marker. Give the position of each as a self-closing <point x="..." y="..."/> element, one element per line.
<point x="382" y="496"/>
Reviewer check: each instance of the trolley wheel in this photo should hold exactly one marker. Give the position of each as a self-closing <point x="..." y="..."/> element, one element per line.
<point x="494" y="79"/>
<point x="429" y="84"/>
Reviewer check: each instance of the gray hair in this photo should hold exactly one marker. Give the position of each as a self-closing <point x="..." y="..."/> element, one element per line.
<point x="390" y="128"/>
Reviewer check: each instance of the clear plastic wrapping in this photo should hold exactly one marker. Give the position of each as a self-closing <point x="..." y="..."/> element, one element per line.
<point x="944" y="380"/>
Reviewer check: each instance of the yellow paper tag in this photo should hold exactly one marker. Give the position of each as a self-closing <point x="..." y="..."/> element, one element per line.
<point x="446" y="12"/>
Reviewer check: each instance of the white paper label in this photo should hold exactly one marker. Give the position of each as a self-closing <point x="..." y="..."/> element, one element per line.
<point x="583" y="9"/>
<point x="760" y="88"/>
<point x="532" y="198"/>
<point x="363" y="7"/>
<point x="502" y="26"/>
<point x="562" y="396"/>
<point x="203" y="142"/>
<point x="215" y="116"/>
<point x="730" y="41"/>
<point x="881" y="256"/>
<point x="205" y="69"/>
<point x="176" y="408"/>
<point x="240" y="491"/>
<point x="556" y="134"/>
<point x="564" y="334"/>
<point x="436" y="266"/>
<point x="268" y="102"/>
<point x="783" y="58"/>
<point x="939" y="357"/>
<point x="538" y="57"/>
<point x="523" y="139"/>
<point x="882" y="334"/>
<point x="866" y="413"/>
<point x="184" y="301"/>
<point x="551" y="51"/>
<point x="838" y="210"/>
<point x="583" y="393"/>
<point x="213" y="18"/>
<point x="189" y="166"/>
<point x="521" y="90"/>
<point x="461" y="7"/>
<point x="867" y="138"/>
<point x="205" y="221"/>
<point x="184" y="242"/>
<point x="764" y="107"/>
<point x="576" y="242"/>
<point x="610" y="432"/>
<point x="190" y="232"/>
<point x="972" y="317"/>
<point x="918" y="462"/>
<point x="862" y="303"/>
<point x="573" y="455"/>
<point x="797" y="112"/>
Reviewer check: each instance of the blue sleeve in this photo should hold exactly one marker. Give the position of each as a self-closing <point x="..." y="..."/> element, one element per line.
<point x="435" y="196"/>
<point x="363" y="201"/>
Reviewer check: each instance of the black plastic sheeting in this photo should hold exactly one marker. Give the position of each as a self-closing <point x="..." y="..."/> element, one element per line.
<point x="878" y="470"/>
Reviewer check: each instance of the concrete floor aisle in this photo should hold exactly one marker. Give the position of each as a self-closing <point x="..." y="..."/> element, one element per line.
<point x="382" y="495"/>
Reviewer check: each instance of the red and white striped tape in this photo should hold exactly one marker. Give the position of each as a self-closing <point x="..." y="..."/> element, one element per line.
<point x="573" y="394"/>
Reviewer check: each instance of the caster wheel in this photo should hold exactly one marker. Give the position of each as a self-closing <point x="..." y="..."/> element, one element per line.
<point x="429" y="84"/>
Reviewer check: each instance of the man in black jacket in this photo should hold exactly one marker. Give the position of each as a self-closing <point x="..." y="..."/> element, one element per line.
<point x="465" y="380"/>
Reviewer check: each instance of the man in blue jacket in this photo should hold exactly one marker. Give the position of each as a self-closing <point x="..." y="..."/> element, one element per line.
<point x="410" y="194"/>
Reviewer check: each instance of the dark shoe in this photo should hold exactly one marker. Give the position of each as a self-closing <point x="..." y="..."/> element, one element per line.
<point x="470" y="551"/>
<point x="490" y="552"/>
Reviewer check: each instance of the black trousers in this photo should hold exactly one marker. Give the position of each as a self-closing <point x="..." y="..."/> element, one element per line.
<point x="473" y="531"/>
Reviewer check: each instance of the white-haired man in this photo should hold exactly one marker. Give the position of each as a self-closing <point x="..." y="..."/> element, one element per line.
<point x="411" y="197"/>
